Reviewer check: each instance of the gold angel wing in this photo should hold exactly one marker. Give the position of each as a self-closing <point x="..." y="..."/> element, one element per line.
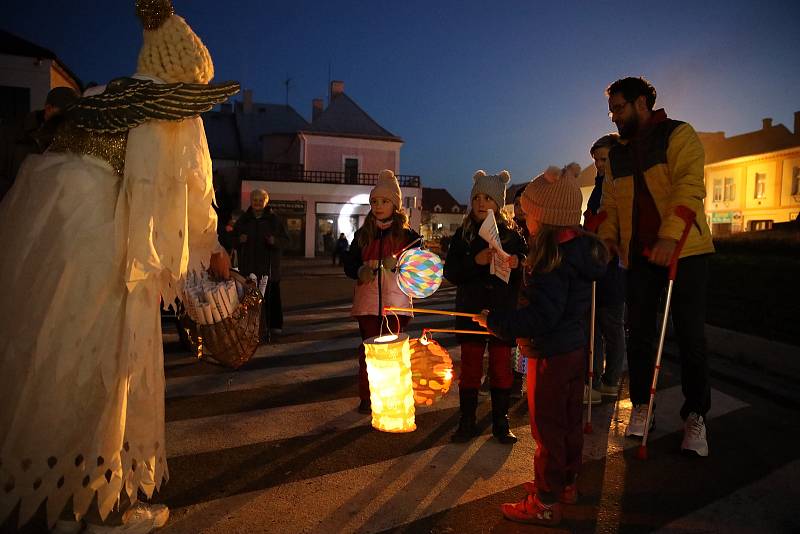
<point x="128" y="102"/>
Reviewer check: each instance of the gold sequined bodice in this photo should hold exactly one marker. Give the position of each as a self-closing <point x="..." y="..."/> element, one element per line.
<point x="110" y="147"/>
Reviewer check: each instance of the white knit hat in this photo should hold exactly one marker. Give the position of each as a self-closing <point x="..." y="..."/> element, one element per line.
<point x="491" y="185"/>
<point x="171" y="50"/>
<point x="554" y="197"/>
<point x="387" y="187"/>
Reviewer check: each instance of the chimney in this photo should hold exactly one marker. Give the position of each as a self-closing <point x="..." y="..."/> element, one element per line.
<point x="797" y="122"/>
<point x="337" y="88"/>
<point x="766" y="123"/>
<point x="247" y="103"/>
<point x="317" y="107"/>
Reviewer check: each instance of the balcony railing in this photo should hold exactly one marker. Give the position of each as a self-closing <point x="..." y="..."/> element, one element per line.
<point x="279" y="172"/>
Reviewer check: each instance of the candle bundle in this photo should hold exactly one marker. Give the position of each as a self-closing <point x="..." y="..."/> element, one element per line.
<point x="207" y="301"/>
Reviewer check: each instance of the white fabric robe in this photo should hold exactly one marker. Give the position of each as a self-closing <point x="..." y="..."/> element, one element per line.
<point x="86" y="256"/>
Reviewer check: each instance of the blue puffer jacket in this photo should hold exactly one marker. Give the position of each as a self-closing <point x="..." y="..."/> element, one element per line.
<point x="556" y="320"/>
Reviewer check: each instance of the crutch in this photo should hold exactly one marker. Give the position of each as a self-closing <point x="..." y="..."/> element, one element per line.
<point x="591" y="224"/>
<point x="688" y="217"/>
<point x="587" y="428"/>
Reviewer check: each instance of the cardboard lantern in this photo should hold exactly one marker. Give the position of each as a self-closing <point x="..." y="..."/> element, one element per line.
<point x="389" y="370"/>
<point x="431" y="371"/>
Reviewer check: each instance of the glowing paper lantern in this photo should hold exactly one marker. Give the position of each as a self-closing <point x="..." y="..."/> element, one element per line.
<point x="391" y="393"/>
<point x="431" y="371"/>
<point x="419" y="272"/>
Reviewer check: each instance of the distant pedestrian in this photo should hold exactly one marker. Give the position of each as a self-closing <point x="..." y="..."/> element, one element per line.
<point x="226" y="234"/>
<point x="31" y="134"/>
<point x="656" y="167"/>
<point x="340" y="249"/>
<point x="609" y="339"/>
<point x="371" y="261"/>
<point x="261" y="237"/>
<point x="551" y="331"/>
<point x="467" y="266"/>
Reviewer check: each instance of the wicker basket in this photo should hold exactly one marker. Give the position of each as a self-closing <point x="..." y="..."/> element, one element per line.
<point x="233" y="340"/>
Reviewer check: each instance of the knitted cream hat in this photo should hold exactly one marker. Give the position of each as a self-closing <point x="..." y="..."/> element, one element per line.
<point x="491" y="185"/>
<point x="171" y="50"/>
<point x="387" y="187"/>
<point x="554" y="197"/>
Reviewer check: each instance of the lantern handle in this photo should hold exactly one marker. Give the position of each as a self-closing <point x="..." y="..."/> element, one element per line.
<point x="388" y="324"/>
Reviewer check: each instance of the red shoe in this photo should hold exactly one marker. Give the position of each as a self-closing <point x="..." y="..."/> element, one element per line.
<point x="569" y="495"/>
<point x="532" y="510"/>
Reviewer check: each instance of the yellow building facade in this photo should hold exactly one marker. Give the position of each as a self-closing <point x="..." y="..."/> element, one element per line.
<point x="753" y="192"/>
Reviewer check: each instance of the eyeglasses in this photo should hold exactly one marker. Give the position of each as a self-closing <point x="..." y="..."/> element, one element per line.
<point x="617" y="109"/>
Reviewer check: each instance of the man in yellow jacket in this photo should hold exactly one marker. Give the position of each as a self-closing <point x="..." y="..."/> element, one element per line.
<point x="657" y="167"/>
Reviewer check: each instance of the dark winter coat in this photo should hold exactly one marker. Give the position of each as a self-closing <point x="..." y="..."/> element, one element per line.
<point x="341" y="245"/>
<point x="556" y="320"/>
<point x="476" y="288"/>
<point x="256" y="255"/>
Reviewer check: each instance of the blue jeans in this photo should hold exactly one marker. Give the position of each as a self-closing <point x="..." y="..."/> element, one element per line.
<point x="609" y="344"/>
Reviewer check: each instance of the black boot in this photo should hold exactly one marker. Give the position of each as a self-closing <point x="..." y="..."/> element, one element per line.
<point x="500" y="403"/>
<point x="467" y="429"/>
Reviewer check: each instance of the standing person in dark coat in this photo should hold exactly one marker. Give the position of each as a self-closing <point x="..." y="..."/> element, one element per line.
<point x="467" y="267"/>
<point x="341" y="248"/>
<point x="32" y="134"/>
<point x="262" y="236"/>
<point x="609" y="338"/>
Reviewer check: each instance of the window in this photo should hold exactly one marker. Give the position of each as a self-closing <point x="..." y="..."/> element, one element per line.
<point x="760" y="225"/>
<point x="795" y="180"/>
<point x="761" y="185"/>
<point x="351" y="170"/>
<point x="717" y="189"/>
<point x="456" y="209"/>
<point x="437" y="208"/>
<point x="729" y="192"/>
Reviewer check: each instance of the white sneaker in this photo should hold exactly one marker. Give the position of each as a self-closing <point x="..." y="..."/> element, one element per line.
<point x="636" y="423"/>
<point x="596" y="397"/>
<point x="694" y="435"/>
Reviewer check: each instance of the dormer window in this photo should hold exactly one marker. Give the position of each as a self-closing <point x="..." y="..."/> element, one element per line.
<point x="456" y="209"/>
<point x="437" y="208"/>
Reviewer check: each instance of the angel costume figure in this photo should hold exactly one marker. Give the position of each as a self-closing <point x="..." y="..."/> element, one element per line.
<point x="115" y="213"/>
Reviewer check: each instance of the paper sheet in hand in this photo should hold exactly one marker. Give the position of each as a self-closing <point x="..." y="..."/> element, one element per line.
<point x="488" y="231"/>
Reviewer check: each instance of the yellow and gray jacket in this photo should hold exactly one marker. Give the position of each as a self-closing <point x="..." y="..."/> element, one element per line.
<point x="671" y="159"/>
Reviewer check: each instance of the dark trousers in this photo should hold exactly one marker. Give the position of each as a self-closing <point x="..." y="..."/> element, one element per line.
<point x="555" y="403"/>
<point x="472" y="364"/>
<point x="271" y="308"/>
<point x="370" y="326"/>
<point x="646" y="284"/>
<point x="609" y="344"/>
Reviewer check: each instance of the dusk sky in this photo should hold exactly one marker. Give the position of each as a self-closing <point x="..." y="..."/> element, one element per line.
<point x="468" y="85"/>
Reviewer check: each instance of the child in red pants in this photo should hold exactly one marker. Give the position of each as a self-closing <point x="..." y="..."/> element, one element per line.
<point x="371" y="261"/>
<point x="468" y="267"/>
<point x="552" y="332"/>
